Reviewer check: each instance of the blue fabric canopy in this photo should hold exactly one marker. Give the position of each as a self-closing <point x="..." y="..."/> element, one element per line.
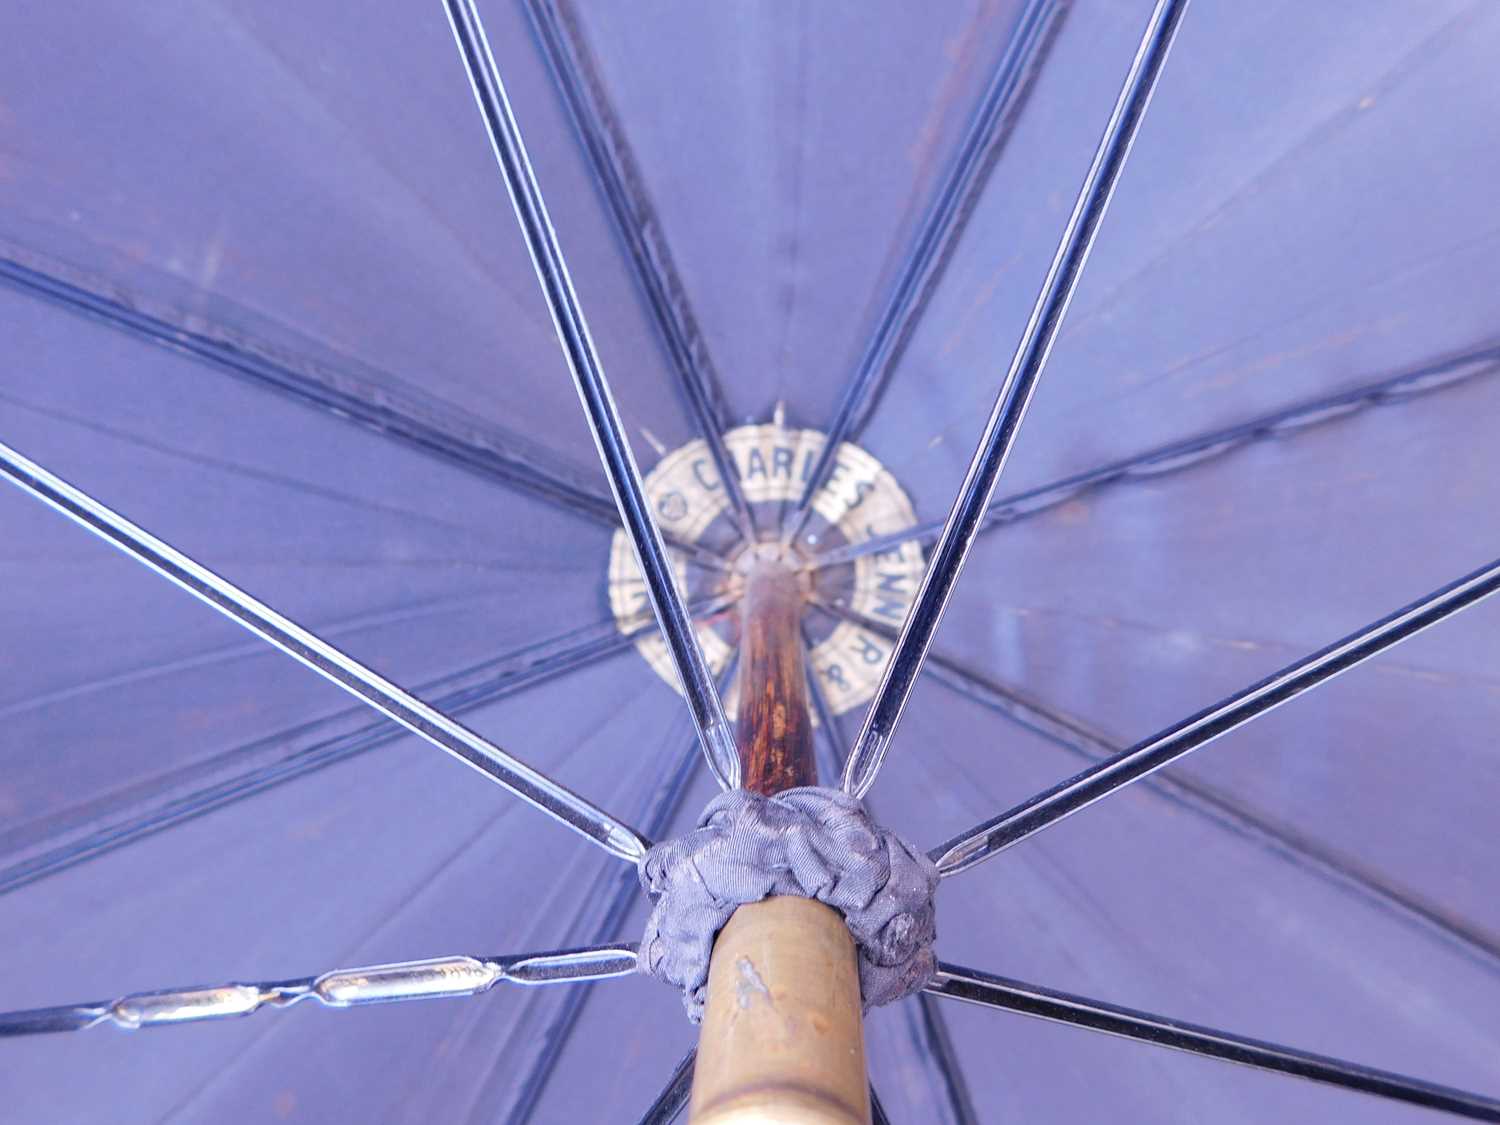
<point x="263" y="293"/>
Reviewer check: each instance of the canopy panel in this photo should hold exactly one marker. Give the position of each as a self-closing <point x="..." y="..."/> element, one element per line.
<point x="264" y="296"/>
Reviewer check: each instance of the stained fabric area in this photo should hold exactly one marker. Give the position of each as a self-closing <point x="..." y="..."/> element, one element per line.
<point x="262" y="291"/>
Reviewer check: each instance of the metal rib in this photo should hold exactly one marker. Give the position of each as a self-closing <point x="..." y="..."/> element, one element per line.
<point x="934" y="1045"/>
<point x="342" y="669"/>
<point x="640" y="230"/>
<point x="877" y="1111"/>
<point x="1076" y="736"/>
<point x="482" y="684"/>
<point x="593" y="391"/>
<point x="1015" y="395"/>
<point x="951" y="1102"/>
<point x="427" y="426"/>
<point x="831" y="758"/>
<point x="1448" y="371"/>
<point x="927" y="256"/>
<point x="1082" y="790"/>
<point x="674" y="1098"/>
<point x="993" y="991"/>
<point x="1304" y="852"/>
<point x="342" y="988"/>
<point x="619" y="892"/>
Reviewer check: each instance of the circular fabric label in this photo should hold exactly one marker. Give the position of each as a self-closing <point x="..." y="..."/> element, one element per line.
<point x="861" y="500"/>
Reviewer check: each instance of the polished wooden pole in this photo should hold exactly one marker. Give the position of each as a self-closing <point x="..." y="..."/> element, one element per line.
<point x="782" y="1038"/>
<point x="775" y="732"/>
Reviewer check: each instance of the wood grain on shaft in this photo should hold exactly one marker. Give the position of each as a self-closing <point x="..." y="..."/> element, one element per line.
<point x="775" y="726"/>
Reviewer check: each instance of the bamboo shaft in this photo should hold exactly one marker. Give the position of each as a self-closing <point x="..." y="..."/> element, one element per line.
<point x="783" y="1038"/>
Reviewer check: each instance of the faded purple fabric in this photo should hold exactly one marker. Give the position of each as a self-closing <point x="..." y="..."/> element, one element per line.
<point x="810" y="842"/>
<point x="1310" y="209"/>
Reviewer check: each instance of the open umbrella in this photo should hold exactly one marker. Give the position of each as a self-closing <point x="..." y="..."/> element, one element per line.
<point x="270" y="332"/>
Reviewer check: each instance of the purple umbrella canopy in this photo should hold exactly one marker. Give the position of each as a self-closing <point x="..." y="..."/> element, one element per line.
<point x="272" y="327"/>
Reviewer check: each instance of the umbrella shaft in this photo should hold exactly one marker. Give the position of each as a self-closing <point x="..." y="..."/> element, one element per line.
<point x="775" y="734"/>
<point x="782" y="1036"/>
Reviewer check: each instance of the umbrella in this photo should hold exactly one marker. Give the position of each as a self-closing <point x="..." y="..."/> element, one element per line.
<point x="270" y="330"/>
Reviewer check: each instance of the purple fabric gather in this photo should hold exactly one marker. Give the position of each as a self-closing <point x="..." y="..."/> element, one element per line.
<point x="810" y="842"/>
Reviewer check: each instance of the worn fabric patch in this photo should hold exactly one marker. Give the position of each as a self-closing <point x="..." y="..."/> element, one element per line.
<point x="810" y="842"/>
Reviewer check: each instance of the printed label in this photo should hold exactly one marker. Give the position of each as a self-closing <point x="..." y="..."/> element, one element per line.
<point x="861" y="499"/>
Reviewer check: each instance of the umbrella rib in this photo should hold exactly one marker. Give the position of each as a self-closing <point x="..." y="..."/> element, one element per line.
<point x="478" y="685"/>
<point x="1201" y="449"/>
<point x="1114" y="773"/>
<point x="998" y="992"/>
<point x="435" y="978"/>
<point x="934" y="1042"/>
<point x="1220" y="809"/>
<point x="929" y="1031"/>
<point x="938" y="235"/>
<point x="1076" y="736"/>
<point x="1013" y="399"/>
<point x="558" y="1031"/>
<point x="831" y="761"/>
<point x="674" y="1096"/>
<point x="714" y="732"/>
<point x="480" y="447"/>
<point x="422" y="719"/>
<point x="636" y="223"/>
<point x="877" y="1111"/>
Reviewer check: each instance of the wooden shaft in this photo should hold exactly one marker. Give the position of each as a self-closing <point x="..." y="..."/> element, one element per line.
<point x="775" y="726"/>
<point x="782" y="1041"/>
